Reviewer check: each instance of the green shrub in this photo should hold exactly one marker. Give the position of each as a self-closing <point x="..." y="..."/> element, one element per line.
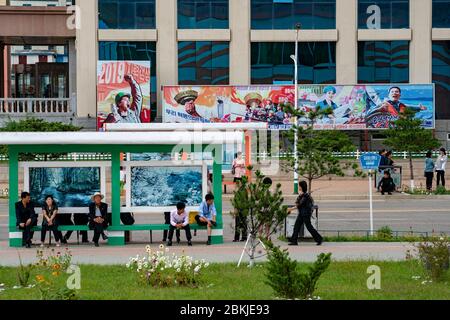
<point x="286" y="280"/>
<point x="385" y="233"/>
<point x="434" y="253"/>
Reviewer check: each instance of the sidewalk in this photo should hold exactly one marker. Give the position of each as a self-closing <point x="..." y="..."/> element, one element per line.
<point x="341" y="189"/>
<point x="229" y="252"/>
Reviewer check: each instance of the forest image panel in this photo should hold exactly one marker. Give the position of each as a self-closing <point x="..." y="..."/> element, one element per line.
<point x="166" y="186"/>
<point x="71" y="187"/>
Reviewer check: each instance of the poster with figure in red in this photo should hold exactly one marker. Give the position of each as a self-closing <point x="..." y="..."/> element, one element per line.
<point x="123" y="92"/>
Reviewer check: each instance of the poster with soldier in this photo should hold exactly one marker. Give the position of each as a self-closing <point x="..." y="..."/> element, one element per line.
<point x="123" y="90"/>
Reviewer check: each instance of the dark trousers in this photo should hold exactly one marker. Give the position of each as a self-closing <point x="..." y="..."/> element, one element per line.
<point x="306" y="220"/>
<point x="440" y="176"/>
<point x="27" y="234"/>
<point x="388" y="189"/>
<point x="429" y="176"/>
<point x="167" y="221"/>
<point x="98" y="229"/>
<point x="204" y="224"/>
<point x="80" y="219"/>
<point x="54" y="229"/>
<point x="240" y="227"/>
<point x="187" y="229"/>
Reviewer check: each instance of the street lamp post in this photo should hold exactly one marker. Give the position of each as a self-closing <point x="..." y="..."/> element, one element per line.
<point x="295" y="58"/>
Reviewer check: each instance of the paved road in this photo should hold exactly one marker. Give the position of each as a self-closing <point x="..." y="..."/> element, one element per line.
<point x="399" y="214"/>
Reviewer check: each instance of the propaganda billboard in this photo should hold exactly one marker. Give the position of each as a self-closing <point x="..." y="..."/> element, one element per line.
<point x="123" y="92"/>
<point x="355" y="107"/>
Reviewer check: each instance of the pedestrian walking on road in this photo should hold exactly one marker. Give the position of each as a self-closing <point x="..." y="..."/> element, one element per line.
<point x="304" y="205"/>
<point x="429" y="171"/>
<point x="441" y="163"/>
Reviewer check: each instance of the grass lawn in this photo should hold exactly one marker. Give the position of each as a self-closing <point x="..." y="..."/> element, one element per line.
<point x="343" y="280"/>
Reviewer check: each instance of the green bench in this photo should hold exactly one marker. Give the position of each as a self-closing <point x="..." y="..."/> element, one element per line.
<point x="135" y="227"/>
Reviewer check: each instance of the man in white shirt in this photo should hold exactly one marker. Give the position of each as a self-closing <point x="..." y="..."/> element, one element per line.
<point x="179" y="219"/>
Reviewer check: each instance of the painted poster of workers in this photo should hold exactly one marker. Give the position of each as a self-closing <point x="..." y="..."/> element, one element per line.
<point x="356" y="107"/>
<point x="123" y="90"/>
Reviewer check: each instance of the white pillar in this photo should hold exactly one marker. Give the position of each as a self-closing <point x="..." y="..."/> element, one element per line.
<point x="421" y="44"/>
<point x="87" y="52"/>
<point x="166" y="47"/>
<point x="347" y="45"/>
<point x="240" y="45"/>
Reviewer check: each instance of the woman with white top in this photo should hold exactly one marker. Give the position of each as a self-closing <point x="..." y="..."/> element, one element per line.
<point x="238" y="167"/>
<point x="441" y="163"/>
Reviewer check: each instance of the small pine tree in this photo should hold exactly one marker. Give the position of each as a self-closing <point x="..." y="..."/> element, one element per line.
<point x="407" y="134"/>
<point x="315" y="148"/>
<point x="286" y="280"/>
<point x="261" y="208"/>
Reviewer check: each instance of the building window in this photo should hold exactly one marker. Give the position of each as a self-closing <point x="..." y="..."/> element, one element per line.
<point x="441" y="78"/>
<point x="285" y="14"/>
<point x="126" y="14"/>
<point x="203" y="14"/>
<point x="383" y="14"/>
<point x="203" y="63"/>
<point x="132" y="51"/>
<point x="271" y="62"/>
<point x="383" y="62"/>
<point x="441" y="13"/>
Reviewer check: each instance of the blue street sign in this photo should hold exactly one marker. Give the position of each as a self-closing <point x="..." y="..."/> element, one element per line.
<point x="370" y="161"/>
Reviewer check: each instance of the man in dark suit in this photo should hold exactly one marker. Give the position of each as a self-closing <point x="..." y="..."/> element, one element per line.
<point x="98" y="217"/>
<point x="26" y="218"/>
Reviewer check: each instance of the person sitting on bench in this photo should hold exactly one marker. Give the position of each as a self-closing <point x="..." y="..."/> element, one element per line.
<point x="26" y="218"/>
<point x="49" y="220"/>
<point x="207" y="216"/>
<point x="98" y="217"/>
<point x="179" y="219"/>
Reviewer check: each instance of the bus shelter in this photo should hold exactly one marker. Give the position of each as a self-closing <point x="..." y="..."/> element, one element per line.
<point x="115" y="144"/>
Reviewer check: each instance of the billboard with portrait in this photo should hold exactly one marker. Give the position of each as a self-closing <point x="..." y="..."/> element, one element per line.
<point x="355" y="107"/>
<point x="123" y="92"/>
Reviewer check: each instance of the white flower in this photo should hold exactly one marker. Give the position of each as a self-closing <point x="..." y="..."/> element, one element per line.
<point x="197" y="269"/>
<point x="196" y="262"/>
<point x="17" y="287"/>
<point x="161" y="246"/>
<point x="178" y="270"/>
<point x="206" y="265"/>
<point x="128" y="265"/>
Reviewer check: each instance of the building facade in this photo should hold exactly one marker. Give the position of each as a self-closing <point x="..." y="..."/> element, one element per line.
<point x="242" y="42"/>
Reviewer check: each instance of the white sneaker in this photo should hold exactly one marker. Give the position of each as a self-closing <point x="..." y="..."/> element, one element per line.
<point x="42" y="245"/>
<point x="58" y="245"/>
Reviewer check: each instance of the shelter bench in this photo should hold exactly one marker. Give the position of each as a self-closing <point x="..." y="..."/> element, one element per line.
<point x="135" y="227"/>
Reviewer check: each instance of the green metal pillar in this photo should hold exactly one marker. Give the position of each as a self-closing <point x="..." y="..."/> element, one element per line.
<point x="15" y="237"/>
<point x="116" y="238"/>
<point x="217" y="234"/>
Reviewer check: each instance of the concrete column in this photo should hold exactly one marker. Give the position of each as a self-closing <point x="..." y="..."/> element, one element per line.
<point x="87" y="52"/>
<point x="72" y="70"/>
<point x="166" y="47"/>
<point x="421" y="44"/>
<point x="240" y="45"/>
<point x="347" y="45"/>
